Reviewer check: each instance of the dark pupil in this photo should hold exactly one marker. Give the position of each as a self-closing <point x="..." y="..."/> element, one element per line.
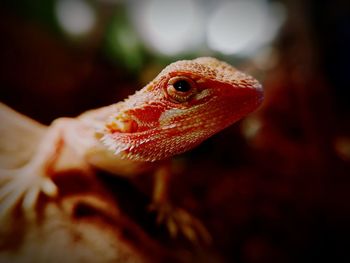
<point x="182" y="86"/>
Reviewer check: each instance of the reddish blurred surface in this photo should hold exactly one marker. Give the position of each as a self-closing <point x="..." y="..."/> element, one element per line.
<point x="279" y="196"/>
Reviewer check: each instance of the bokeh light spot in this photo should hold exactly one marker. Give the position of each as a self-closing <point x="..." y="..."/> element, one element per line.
<point x="76" y="17"/>
<point x="169" y="27"/>
<point x="242" y="26"/>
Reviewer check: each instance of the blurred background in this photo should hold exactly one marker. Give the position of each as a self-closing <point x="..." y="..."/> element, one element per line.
<point x="272" y="188"/>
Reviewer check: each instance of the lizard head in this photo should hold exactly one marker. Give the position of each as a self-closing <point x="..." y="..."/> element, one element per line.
<point x="186" y="103"/>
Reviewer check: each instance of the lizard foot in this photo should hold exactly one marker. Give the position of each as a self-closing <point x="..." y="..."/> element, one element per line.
<point x="23" y="186"/>
<point x="180" y="222"/>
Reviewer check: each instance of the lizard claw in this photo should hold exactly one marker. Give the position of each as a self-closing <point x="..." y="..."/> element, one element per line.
<point x="23" y="186"/>
<point x="179" y="222"/>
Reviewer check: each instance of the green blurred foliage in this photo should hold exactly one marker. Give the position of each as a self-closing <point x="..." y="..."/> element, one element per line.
<point x="122" y="43"/>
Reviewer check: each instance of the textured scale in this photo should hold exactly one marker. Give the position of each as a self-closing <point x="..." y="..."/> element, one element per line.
<point x="150" y="126"/>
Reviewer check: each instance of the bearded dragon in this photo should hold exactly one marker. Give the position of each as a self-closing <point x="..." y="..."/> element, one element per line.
<point x="189" y="101"/>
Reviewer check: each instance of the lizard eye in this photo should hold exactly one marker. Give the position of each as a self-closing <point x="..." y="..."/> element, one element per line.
<point x="180" y="89"/>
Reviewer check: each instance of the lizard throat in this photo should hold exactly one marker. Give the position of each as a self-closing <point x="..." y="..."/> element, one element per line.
<point x="151" y="145"/>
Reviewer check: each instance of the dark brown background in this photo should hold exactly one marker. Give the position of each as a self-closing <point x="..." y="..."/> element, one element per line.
<point x="280" y="196"/>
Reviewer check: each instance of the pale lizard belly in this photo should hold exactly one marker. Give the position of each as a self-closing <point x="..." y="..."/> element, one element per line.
<point x="104" y="159"/>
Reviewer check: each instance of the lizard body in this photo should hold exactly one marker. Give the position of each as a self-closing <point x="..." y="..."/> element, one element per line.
<point x="186" y="103"/>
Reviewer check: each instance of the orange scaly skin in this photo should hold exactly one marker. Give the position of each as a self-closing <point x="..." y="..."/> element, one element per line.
<point x="164" y="127"/>
<point x="186" y="103"/>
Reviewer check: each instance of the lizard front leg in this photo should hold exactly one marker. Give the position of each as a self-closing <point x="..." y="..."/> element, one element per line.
<point x="24" y="185"/>
<point x="177" y="220"/>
